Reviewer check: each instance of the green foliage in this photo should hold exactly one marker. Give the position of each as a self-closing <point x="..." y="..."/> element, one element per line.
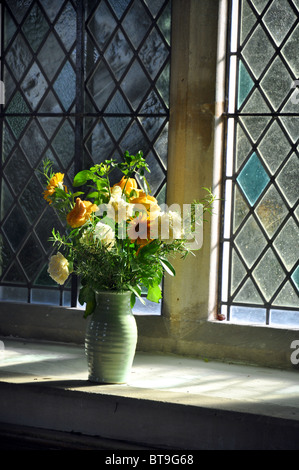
<point x="95" y="250"/>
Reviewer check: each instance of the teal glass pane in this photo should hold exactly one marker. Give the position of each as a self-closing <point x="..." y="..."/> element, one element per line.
<point x="253" y="179"/>
<point x="245" y="84"/>
<point x="295" y="277"/>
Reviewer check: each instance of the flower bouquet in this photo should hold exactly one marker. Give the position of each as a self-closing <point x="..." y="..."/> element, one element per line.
<point x="117" y="237"/>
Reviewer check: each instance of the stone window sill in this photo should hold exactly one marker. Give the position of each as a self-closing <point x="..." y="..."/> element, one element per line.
<point x="170" y="402"/>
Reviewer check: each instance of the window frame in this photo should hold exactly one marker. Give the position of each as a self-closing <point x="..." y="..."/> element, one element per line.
<point x="196" y="135"/>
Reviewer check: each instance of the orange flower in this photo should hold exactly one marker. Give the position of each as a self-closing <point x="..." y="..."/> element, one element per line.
<point x="139" y="230"/>
<point x="80" y="213"/>
<point x="148" y="202"/>
<point x="54" y="182"/>
<point x="127" y="183"/>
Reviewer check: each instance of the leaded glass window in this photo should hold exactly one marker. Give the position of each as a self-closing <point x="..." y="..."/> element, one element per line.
<point x="84" y="81"/>
<point x="260" y="268"/>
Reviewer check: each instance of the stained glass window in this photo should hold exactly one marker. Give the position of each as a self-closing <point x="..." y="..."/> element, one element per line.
<point x="84" y="81"/>
<point x="260" y="245"/>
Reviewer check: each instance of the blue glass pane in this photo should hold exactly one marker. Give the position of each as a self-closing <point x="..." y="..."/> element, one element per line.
<point x="65" y="85"/>
<point x="245" y="84"/>
<point x="253" y="179"/>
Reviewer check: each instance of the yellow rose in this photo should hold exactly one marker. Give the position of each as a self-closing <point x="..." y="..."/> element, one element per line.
<point x="127" y="183"/>
<point x="148" y="202"/>
<point x="59" y="268"/>
<point x="80" y="213"/>
<point x="54" y="182"/>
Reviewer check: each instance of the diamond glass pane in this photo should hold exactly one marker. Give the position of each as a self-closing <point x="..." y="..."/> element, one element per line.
<point x="261" y="233"/>
<point x="253" y="179"/>
<point x="84" y="81"/>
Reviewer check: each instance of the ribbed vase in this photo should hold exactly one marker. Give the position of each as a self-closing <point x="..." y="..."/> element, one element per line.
<point x="111" y="337"/>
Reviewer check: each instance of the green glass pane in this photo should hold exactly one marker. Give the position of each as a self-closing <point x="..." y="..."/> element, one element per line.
<point x="258" y="51"/>
<point x="35" y="27"/>
<point x="288" y="179"/>
<point x="240" y="209"/>
<point x="65" y="85"/>
<point x="274" y="147"/>
<point x="271" y="211"/>
<point x="250" y="241"/>
<point x="278" y="15"/>
<point x="259" y="5"/>
<point x="248" y="20"/>
<point x="255" y="125"/>
<point x="287" y="244"/>
<point x="245" y="84"/>
<point x="244" y="147"/>
<point x="290" y="51"/>
<point x="248" y="294"/>
<point x="238" y="272"/>
<point x="253" y="179"/>
<point x="269" y="274"/>
<point x="276" y="83"/>
<point x="287" y="297"/>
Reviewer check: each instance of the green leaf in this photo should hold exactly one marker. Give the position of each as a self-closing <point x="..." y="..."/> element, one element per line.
<point x="167" y="266"/>
<point x="83" y="176"/>
<point x="154" y="293"/>
<point x="87" y="296"/>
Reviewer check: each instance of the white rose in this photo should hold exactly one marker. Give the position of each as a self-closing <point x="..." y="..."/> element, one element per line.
<point x="167" y="227"/>
<point x="59" y="268"/>
<point x="105" y="234"/>
<point x="118" y="209"/>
